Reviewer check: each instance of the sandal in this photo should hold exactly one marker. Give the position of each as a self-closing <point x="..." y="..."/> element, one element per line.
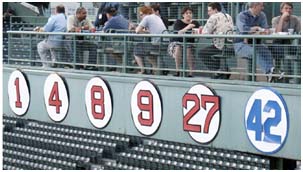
<point x="140" y="72"/>
<point x="177" y="74"/>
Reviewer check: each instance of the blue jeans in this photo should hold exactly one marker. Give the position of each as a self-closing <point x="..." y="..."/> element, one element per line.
<point x="264" y="57"/>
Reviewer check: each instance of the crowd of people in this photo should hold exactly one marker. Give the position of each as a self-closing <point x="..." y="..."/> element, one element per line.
<point x="251" y="21"/>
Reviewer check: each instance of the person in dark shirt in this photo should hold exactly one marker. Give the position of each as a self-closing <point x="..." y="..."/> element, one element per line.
<point x="116" y="24"/>
<point x="115" y="20"/>
<point x="101" y="15"/>
<point x="184" y="26"/>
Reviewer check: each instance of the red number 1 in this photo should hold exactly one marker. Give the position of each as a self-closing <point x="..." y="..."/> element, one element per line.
<point x="54" y="99"/>
<point x="18" y="101"/>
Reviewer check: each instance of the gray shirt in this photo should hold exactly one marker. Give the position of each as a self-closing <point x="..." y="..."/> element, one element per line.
<point x="154" y="24"/>
<point x="293" y="23"/>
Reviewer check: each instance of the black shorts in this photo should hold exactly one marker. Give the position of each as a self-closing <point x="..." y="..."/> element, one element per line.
<point x="144" y="49"/>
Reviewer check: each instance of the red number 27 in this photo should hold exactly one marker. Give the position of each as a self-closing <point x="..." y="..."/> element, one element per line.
<point x="196" y="108"/>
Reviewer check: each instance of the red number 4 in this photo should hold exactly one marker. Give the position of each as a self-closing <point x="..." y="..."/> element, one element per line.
<point x="204" y="99"/>
<point x="53" y="99"/>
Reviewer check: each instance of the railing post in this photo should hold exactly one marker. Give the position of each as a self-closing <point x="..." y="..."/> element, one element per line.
<point x="184" y="56"/>
<point x="296" y="61"/>
<point x="30" y="52"/>
<point x="9" y="47"/>
<point x="253" y="67"/>
<point x="10" y="22"/>
<point x="74" y="51"/>
<point x="124" y="57"/>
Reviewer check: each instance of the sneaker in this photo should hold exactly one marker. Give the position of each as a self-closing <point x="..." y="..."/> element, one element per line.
<point x="177" y="74"/>
<point x="270" y="73"/>
<point x="271" y="78"/>
<point x="281" y="75"/>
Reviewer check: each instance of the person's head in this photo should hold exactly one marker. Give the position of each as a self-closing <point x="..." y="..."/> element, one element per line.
<point x="81" y="13"/>
<point x="156" y="9"/>
<point x="256" y="7"/>
<point x="9" y="10"/>
<point x="144" y="11"/>
<point x="213" y="8"/>
<point x="60" y="9"/>
<point x="110" y="12"/>
<point x="286" y="7"/>
<point x="187" y="13"/>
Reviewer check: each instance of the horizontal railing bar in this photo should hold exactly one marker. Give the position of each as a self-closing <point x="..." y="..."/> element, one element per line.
<point x="275" y="36"/>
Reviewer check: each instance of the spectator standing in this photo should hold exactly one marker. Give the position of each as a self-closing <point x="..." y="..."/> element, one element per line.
<point x="184" y="26"/>
<point x="150" y="23"/>
<point x="218" y="23"/>
<point x="253" y="21"/>
<point x="79" y="23"/>
<point x="56" y="23"/>
<point x="156" y="10"/>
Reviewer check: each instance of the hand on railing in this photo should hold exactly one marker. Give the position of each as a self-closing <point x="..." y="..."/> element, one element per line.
<point x="38" y="29"/>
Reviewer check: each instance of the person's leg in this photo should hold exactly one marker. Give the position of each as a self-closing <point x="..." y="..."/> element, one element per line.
<point x="92" y="47"/>
<point x="79" y="55"/>
<point x="177" y="56"/>
<point x="265" y="59"/>
<point x="206" y="55"/>
<point x="140" y="63"/>
<point x="54" y="55"/>
<point x="43" y="51"/>
<point x="117" y="58"/>
<point x="153" y="61"/>
<point x="190" y="64"/>
<point x="139" y="55"/>
<point x="277" y="51"/>
<point x="243" y="50"/>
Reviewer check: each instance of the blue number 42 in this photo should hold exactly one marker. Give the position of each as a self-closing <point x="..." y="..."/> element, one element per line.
<point x="254" y="121"/>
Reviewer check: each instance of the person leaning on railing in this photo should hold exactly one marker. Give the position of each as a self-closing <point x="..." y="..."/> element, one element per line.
<point x="287" y="23"/>
<point x="156" y="10"/>
<point x="115" y="20"/>
<point x="116" y="24"/>
<point x="56" y="23"/>
<point x="253" y="21"/>
<point x="150" y="23"/>
<point x="79" y="23"/>
<point x="184" y="26"/>
<point x="101" y="17"/>
<point x="218" y="23"/>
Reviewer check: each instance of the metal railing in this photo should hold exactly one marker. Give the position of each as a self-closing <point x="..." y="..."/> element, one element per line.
<point x="115" y="52"/>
